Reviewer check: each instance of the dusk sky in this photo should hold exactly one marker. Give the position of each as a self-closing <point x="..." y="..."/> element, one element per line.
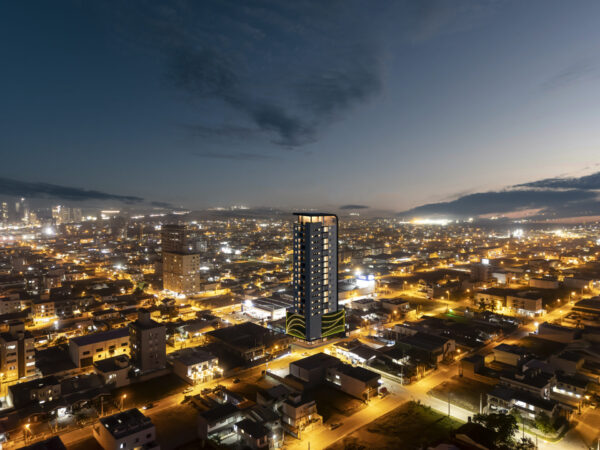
<point x="391" y="105"/>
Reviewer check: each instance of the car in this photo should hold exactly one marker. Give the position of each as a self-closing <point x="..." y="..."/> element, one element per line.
<point x="206" y="391"/>
<point x="188" y="390"/>
<point x="333" y="426"/>
<point x="148" y="406"/>
<point x="236" y="380"/>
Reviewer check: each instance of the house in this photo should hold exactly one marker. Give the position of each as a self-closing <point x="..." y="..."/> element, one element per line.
<point x="252" y="434"/>
<point x="126" y="430"/>
<point x="250" y="341"/>
<point x="311" y="370"/>
<point x="218" y="420"/>
<point x="355" y="381"/>
<point x="436" y="348"/>
<point x="535" y="381"/>
<point x="503" y="399"/>
<point x="273" y="397"/>
<point x="41" y="390"/>
<point x="572" y="386"/>
<point x="195" y="365"/>
<point x="114" y="371"/>
<point x="299" y="414"/>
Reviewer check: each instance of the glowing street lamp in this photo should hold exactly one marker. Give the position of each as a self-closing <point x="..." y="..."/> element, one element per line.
<point x="123" y="397"/>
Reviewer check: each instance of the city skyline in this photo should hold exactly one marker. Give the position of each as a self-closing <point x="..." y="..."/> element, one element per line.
<point x="215" y="105"/>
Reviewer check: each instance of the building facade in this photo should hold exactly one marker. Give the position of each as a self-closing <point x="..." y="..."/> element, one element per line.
<point x="316" y="313"/>
<point x="148" y="342"/>
<point x="17" y="353"/>
<point x="181" y="259"/>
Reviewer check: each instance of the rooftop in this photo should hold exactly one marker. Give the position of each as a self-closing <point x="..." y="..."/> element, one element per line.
<point x="126" y="423"/>
<point x="315" y="361"/>
<point x="101" y="336"/>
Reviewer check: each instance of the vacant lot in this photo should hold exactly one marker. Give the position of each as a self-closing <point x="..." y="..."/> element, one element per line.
<point x="462" y="392"/>
<point x="410" y="426"/>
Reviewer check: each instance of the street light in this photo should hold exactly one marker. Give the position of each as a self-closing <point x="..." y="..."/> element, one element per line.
<point x="123" y="397"/>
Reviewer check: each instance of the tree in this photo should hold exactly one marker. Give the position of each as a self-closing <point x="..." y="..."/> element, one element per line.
<point x="544" y="423"/>
<point x="503" y="427"/>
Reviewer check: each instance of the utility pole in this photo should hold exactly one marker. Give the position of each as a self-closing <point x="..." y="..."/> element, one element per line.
<point x="448" y="404"/>
<point x="481" y="403"/>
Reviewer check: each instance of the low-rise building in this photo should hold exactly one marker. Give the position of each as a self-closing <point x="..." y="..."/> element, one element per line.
<point x="126" y="430"/>
<point x="195" y="365"/>
<point x="558" y="333"/>
<point x="299" y="414"/>
<point x="114" y="371"/>
<point x="312" y="369"/>
<point x="512" y="355"/>
<point x="355" y="381"/>
<point x="85" y="350"/>
<point x="218" y="420"/>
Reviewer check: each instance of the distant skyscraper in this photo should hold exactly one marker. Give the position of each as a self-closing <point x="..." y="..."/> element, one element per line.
<point x="316" y="312"/>
<point x="4" y="215"/>
<point x="181" y="259"/>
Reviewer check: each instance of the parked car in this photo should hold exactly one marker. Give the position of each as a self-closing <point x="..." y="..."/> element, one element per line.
<point x="148" y="406"/>
<point x="236" y="380"/>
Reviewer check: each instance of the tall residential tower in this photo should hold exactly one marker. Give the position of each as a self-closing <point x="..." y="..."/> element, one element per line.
<point x="181" y="259"/>
<point x="316" y="312"/>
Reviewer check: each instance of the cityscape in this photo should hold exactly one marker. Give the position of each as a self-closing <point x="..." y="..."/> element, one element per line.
<point x="305" y="225"/>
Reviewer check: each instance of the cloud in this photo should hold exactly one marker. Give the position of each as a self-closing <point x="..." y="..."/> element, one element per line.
<point x="344" y="207"/>
<point x="591" y="181"/>
<point x="579" y="70"/>
<point x="17" y="188"/>
<point x="282" y="71"/>
<point x="240" y="156"/>
<point x="551" y="197"/>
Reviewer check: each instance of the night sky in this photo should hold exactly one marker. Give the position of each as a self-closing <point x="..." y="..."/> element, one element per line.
<point x="390" y="105"/>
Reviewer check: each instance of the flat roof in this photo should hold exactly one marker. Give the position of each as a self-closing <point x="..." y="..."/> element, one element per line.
<point x="358" y="373"/>
<point x="126" y="423"/>
<point x="192" y="356"/>
<point x="100" y="336"/>
<point x="315" y="361"/>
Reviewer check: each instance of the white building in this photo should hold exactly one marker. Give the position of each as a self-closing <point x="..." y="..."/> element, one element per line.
<point x="195" y="365"/>
<point x="126" y="430"/>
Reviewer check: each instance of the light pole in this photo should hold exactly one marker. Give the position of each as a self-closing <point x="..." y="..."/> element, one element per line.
<point x="123" y="397"/>
<point x="448" y="303"/>
<point x="27" y="431"/>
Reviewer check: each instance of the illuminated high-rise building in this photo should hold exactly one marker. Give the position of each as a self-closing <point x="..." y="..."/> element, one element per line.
<point x="316" y="313"/>
<point x="4" y="215"/>
<point x="181" y="259"/>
